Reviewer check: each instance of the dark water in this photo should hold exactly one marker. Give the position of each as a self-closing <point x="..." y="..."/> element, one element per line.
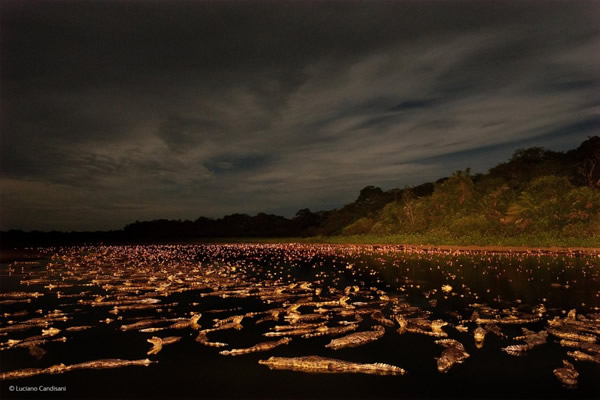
<point x="240" y="277"/>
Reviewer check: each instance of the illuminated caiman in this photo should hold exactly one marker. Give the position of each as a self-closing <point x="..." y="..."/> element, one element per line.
<point x="479" y="336"/>
<point x="61" y="368"/>
<point x="380" y="318"/>
<point x="424" y="326"/>
<point x="316" y="364"/>
<point x="256" y="348"/>
<point x="272" y="316"/>
<point x="158" y="343"/>
<point x="28" y="342"/>
<point x="453" y="353"/>
<point x="567" y="374"/>
<point x="531" y="339"/>
<point x="191" y="323"/>
<point x="41" y="322"/>
<point x="590" y="347"/>
<point x="581" y="356"/>
<point x="357" y="339"/>
<point x="510" y="320"/>
<point x="495" y="329"/>
<point x="332" y="331"/>
<point x="203" y="338"/>
<point x="290" y="327"/>
<point x="575" y="328"/>
<point x="572" y="335"/>
<point x="145" y="324"/>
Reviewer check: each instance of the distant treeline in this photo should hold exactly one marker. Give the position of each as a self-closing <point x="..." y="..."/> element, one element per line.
<point x="536" y="191"/>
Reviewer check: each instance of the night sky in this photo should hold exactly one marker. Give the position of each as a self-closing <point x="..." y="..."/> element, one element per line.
<point x="119" y="111"/>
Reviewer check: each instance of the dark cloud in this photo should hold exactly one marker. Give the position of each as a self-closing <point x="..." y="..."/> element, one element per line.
<point x="120" y="110"/>
<point x="180" y="133"/>
<point x="413" y="104"/>
<point x="235" y="163"/>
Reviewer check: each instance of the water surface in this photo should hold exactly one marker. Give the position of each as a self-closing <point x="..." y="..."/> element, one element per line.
<point x="101" y="287"/>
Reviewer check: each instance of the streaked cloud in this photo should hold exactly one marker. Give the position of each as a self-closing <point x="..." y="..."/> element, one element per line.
<point x="208" y="109"/>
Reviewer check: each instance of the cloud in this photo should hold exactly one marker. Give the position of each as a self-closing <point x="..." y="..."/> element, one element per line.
<point x="174" y="111"/>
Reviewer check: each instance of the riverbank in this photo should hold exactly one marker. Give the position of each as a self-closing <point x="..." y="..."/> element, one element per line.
<point x="518" y="244"/>
<point x="524" y="241"/>
<point x="426" y="242"/>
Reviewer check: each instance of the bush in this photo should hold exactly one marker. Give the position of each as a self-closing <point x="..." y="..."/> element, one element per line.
<point x="470" y="225"/>
<point x="359" y="227"/>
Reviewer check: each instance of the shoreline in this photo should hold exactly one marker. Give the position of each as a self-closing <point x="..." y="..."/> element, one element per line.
<point x="593" y="251"/>
<point x="29" y="254"/>
<point x="484" y="249"/>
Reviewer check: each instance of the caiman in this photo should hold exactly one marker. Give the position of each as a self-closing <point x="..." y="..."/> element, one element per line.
<point x="297" y="317"/>
<point x="453" y="353"/>
<point x="424" y="326"/>
<point x="572" y="335"/>
<point x="158" y="343"/>
<point x="203" y="338"/>
<point x="424" y="332"/>
<point x="20" y="295"/>
<point x="290" y="332"/>
<point x="437" y="325"/>
<point x="316" y="364"/>
<point x="510" y="320"/>
<point x="141" y="324"/>
<point x="191" y="323"/>
<point x="78" y="328"/>
<point x="272" y="316"/>
<point x="567" y="374"/>
<point x="357" y="339"/>
<point x="236" y="323"/>
<point x="256" y="348"/>
<point x="531" y="340"/>
<point x="332" y="331"/>
<point x="61" y="368"/>
<point x="581" y="356"/>
<point x="590" y="347"/>
<point x="495" y="329"/>
<point x="402" y="323"/>
<point x="21" y="313"/>
<point x="479" y="336"/>
<point x="9" y="302"/>
<point x="235" y="319"/>
<point x="579" y="324"/>
<point x="50" y="331"/>
<point x="312" y="325"/>
<point x="378" y="316"/>
<point x="29" y="342"/>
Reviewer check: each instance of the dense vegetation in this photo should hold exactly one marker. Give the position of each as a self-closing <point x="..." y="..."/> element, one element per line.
<point x="492" y="205"/>
<point x="537" y="193"/>
<point x="538" y="197"/>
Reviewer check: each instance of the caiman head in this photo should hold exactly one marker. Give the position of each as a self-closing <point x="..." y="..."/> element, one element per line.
<point x="479" y="335"/>
<point x="444" y="364"/>
<point x="268" y="362"/>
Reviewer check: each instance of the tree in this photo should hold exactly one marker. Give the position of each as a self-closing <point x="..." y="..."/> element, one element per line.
<point x="452" y="194"/>
<point x="589" y="167"/>
<point x="544" y="205"/>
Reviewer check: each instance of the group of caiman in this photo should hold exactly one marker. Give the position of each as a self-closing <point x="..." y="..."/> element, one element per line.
<point x="126" y="280"/>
